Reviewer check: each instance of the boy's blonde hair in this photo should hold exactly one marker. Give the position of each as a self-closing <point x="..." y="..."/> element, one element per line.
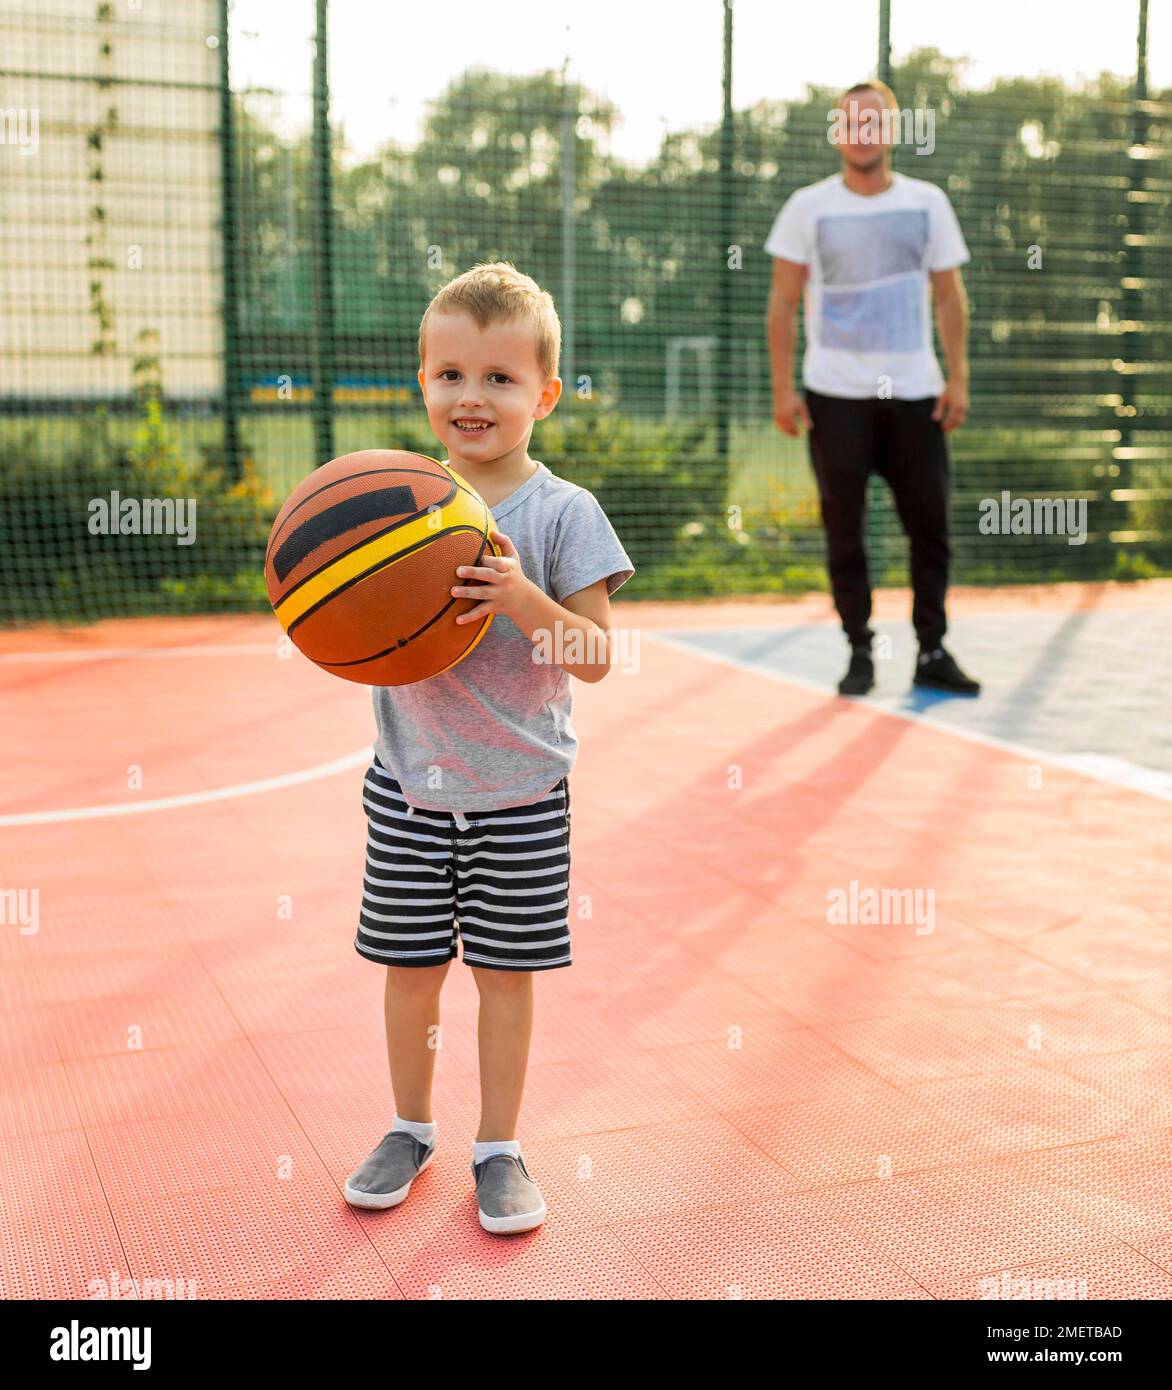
<point x="496" y="290"/>
<point x="872" y="85"/>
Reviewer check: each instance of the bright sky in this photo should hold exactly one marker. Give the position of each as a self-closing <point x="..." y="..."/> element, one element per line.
<point x="660" y="74"/>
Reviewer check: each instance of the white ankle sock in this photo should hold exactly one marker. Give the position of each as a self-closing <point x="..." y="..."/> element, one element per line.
<point x="481" y="1149"/>
<point x="418" y="1128"/>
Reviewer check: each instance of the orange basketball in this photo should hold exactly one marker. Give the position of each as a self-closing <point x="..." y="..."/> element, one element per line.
<point x="362" y="559"/>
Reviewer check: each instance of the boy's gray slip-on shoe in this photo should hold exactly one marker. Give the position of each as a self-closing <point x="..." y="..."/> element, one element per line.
<point x="508" y="1198"/>
<point x="385" y="1178"/>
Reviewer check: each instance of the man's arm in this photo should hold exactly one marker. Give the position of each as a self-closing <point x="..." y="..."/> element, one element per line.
<point x="952" y="321"/>
<point x="789" y="278"/>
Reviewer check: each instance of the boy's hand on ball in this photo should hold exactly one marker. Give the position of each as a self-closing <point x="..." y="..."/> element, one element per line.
<point x="504" y="588"/>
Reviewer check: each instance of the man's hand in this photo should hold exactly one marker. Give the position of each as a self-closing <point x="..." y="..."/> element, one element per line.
<point x="952" y="405"/>
<point x="506" y="590"/>
<point x="788" y="409"/>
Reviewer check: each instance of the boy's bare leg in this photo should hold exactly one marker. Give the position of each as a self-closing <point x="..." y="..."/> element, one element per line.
<point x="412" y="1006"/>
<point x="504" y="1029"/>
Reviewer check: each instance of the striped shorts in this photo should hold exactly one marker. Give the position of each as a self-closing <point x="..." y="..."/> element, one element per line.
<point x="502" y="876"/>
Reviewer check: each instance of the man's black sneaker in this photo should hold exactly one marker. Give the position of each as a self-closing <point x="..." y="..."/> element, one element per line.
<point x="860" y="676"/>
<point x="937" y="670"/>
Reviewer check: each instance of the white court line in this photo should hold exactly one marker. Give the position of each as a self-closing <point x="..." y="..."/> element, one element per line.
<point x="167" y="803"/>
<point x="1096" y="766"/>
<point x="1116" y="772"/>
<point x="121" y="653"/>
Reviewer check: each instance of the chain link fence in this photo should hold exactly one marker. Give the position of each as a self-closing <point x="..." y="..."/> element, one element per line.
<point x="207" y="295"/>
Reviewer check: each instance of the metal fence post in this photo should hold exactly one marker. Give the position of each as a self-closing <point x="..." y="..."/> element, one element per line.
<point x="1131" y="259"/>
<point x="569" y="252"/>
<point x="229" y="251"/>
<point x="876" y="497"/>
<point x="323" y="257"/>
<point x="884" y="69"/>
<point x="724" y="297"/>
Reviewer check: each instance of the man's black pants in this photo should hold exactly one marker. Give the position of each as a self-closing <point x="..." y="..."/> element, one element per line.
<point x="901" y="442"/>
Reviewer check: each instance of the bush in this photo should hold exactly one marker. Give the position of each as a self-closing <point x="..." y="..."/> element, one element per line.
<point x="716" y="561"/>
<point x="52" y="566"/>
<point x="650" y="480"/>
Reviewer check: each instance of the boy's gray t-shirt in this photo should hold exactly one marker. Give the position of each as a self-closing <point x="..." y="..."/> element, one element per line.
<point x="495" y="730"/>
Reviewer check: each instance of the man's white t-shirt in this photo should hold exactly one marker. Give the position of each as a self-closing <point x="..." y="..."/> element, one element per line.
<point x="868" y="299"/>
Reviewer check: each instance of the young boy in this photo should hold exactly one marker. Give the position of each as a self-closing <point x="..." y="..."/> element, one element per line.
<point x="468" y="798"/>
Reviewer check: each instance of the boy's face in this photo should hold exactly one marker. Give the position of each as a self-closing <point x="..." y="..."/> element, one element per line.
<point x="489" y="375"/>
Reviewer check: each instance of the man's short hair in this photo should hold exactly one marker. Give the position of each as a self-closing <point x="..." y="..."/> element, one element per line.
<point x="873" y="85"/>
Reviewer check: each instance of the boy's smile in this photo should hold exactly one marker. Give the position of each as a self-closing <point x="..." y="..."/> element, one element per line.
<point x="470" y="426"/>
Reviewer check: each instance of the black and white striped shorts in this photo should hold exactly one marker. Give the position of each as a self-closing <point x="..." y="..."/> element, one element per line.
<point x="504" y="880"/>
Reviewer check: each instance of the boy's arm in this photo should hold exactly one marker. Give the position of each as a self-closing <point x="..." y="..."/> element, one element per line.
<point x="574" y="634"/>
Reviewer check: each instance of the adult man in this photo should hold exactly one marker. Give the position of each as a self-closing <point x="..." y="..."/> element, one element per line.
<point x="864" y="245"/>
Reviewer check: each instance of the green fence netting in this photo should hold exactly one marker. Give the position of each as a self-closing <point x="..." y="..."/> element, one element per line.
<point x="206" y="295"/>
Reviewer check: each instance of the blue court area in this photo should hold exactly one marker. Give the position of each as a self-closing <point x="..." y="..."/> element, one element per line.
<point x="1089" y="690"/>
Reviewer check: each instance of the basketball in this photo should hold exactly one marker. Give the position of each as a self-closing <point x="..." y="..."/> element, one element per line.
<point x="362" y="559"/>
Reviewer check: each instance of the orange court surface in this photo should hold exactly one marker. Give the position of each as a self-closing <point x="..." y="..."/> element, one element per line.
<point x="732" y="1091"/>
